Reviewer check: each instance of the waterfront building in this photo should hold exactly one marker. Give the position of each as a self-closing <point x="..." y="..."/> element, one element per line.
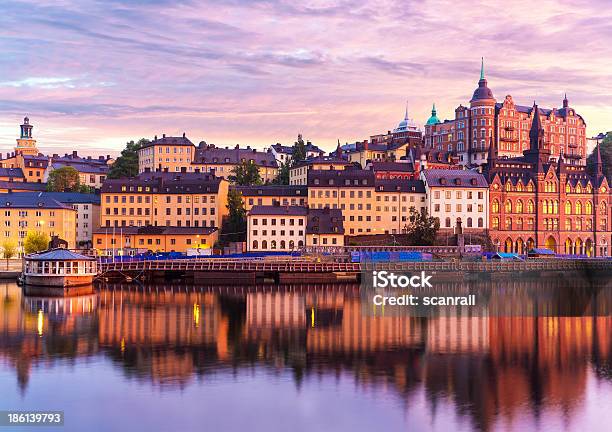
<point x="87" y="208"/>
<point x="369" y="206"/>
<point x="276" y="228"/>
<point x="298" y="173"/>
<point x="457" y="195"/>
<point x="24" y="211"/>
<point x="507" y="123"/>
<point x="285" y="195"/>
<point x="542" y="203"/>
<point x="176" y="154"/>
<point x="288" y="228"/>
<point x="131" y="240"/>
<point x="283" y="153"/>
<point x="164" y="199"/>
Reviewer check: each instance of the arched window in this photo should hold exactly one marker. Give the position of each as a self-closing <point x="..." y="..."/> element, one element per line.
<point x="264" y="244"/>
<point x="273" y="244"/>
<point x="568" y="224"/>
<point x="255" y="244"/>
<point x="300" y="243"/>
<point x="282" y="244"/>
<point x="519" y="187"/>
<point x="556" y="207"/>
<point x="579" y="224"/>
<point x="530" y="206"/>
<point x="568" y="188"/>
<point x="530" y="224"/>
<point x="578" y="207"/>
<point x="495" y="206"/>
<point x="603" y="208"/>
<point x="578" y="188"/>
<point x="508" y="186"/>
<point x="519" y="206"/>
<point x="508" y="206"/>
<point x="291" y="244"/>
<point x="545" y="206"/>
<point x="550" y="207"/>
<point x="480" y="222"/>
<point x="469" y="222"/>
<point x="589" y="188"/>
<point x="495" y="223"/>
<point x="530" y="187"/>
<point x="519" y="224"/>
<point x="588" y="207"/>
<point x="447" y="222"/>
<point x="568" y="207"/>
<point x="508" y="223"/>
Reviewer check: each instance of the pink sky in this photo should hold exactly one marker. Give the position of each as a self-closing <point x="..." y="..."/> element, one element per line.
<point x="93" y="74"/>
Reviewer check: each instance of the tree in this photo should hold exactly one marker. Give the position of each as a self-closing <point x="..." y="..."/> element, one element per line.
<point x="605" y="148"/>
<point x="126" y="165"/>
<point x="9" y="250"/>
<point x="235" y="225"/>
<point x="299" y="151"/>
<point x="64" y="179"/>
<point x="35" y="241"/>
<point x="246" y="174"/>
<point x="422" y="229"/>
<point x="282" y="177"/>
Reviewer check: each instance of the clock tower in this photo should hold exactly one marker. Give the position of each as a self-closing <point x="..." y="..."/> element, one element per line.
<point x="26" y="145"/>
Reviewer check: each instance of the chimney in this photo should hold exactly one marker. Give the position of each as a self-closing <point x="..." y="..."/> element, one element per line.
<point x="237" y="146"/>
<point x="183" y="134"/>
<point x="74" y="153"/>
<point x="155" y="139"/>
<point x="163" y="135"/>
<point x="100" y="158"/>
<point x="108" y="157"/>
<point x="55" y="155"/>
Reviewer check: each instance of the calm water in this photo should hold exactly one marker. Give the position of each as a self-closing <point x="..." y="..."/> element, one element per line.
<point x="310" y="358"/>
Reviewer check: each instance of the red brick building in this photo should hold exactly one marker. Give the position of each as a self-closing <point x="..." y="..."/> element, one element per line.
<point x="469" y="133"/>
<point x="539" y="202"/>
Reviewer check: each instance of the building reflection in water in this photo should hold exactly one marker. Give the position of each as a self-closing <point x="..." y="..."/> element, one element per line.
<point x="534" y="353"/>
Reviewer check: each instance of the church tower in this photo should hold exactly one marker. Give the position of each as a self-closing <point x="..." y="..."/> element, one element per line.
<point x="482" y="120"/>
<point x="26" y="145"/>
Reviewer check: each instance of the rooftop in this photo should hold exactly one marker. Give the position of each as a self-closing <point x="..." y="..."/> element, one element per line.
<point x="30" y="200"/>
<point x="175" y="141"/>
<point x="59" y="254"/>
<point x="454" y="178"/>
<point x="163" y="182"/>
<point x="273" y="190"/>
<point x="277" y="210"/>
<point x="156" y="230"/>
<point x="209" y="153"/>
<point x="324" y="221"/>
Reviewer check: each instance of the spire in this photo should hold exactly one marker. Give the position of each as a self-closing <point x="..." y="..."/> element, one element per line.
<point x="565" y="101"/>
<point x="338" y="149"/>
<point x="406" y="114"/>
<point x="482" y="68"/>
<point x="433" y="110"/>
<point x="492" y="152"/>
<point x="536" y="133"/>
<point x="598" y="162"/>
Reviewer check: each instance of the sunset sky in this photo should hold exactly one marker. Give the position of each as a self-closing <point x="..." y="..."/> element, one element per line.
<point x="93" y="74"/>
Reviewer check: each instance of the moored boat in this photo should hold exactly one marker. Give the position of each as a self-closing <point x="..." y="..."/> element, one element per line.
<point x="59" y="268"/>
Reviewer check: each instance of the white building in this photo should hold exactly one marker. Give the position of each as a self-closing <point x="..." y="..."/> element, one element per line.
<point x="276" y="228"/>
<point x="453" y="195"/>
<point x="283" y="153"/>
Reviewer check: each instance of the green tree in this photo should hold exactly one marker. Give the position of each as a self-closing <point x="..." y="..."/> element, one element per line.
<point x="605" y="148"/>
<point x="9" y="250"/>
<point x="235" y="225"/>
<point x="282" y="177"/>
<point x="35" y="241"/>
<point x="126" y="165"/>
<point x="422" y="229"/>
<point x="246" y="174"/>
<point x="299" y="151"/>
<point x="64" y="179"/>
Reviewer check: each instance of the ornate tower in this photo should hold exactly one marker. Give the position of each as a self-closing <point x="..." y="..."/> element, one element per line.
<point x="482" y="120"/>
<point x="26" y="145"/>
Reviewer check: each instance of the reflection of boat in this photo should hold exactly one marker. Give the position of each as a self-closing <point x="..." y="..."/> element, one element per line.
<point x="59" y="268"/>
<point x="61" y="306"/>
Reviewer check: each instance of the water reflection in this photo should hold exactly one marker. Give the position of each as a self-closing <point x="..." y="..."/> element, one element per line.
<point x="489" y="368"/>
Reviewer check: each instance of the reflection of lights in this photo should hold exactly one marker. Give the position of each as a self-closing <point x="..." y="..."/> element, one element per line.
<point x="196" y="314"/>
<point x="122" y="345"/>
<point x="40" y="321"/>
<point x="312" y="317"/>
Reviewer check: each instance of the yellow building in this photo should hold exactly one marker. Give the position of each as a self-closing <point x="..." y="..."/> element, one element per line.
<point x="369" y="206"/>
<point x="273" y="195"/>
<point x="23" y="212"/>
<point x="298" y="174"/>
<point x="132" y="240"/>
<point x="176" y="154"/>
<point x="164" y="199"/>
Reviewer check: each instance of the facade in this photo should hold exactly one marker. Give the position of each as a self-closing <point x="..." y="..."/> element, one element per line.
<point x="164" y="199"/>
<point x="457" y="195"/>
<point x="268" y="195"/>
<point x="276" y="228"/>
<point x="87" y="208"/>
<point x="393" y="170"/>
<point x="179" y="154"/>
<point x="324" y="228"/>
<point x="368" y="206"/>
<point x="468" y="135"/>
<point x="283" y="153"/>
<point x="25" y="212"/>
<point x="92" y="171"/>
<point x="539" y="203"/>
<point x="132" y="240"/>
<point x="298" y="173"/>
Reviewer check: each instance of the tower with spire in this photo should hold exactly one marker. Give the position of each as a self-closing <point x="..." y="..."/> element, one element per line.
<point x="26" y="144"/>
<point x="482" y="112"/>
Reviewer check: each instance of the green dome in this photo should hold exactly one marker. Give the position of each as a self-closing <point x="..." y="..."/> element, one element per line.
<point x="434" y="118"/>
